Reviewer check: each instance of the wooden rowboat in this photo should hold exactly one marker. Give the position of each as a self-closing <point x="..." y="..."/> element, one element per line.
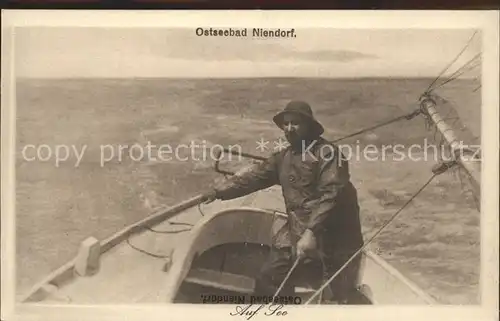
<point x="214" y="262"/>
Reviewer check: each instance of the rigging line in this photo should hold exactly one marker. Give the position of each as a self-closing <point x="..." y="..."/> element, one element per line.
<point x="158" y="256"/>
<point x="477" y="56"/>
<point x="477" y="88"/>
<point x="451" y="63"/>
<point x="286" y="277"/>
<point x="442" y="120"/>
<point x="472" y="63"/>
<point x="476" y="201"/>
<point x="463" y="67"/>
<point x="455" y="121"/>
<point x="474" y="60"/>
<point x="450" y="111"/>
<point x="200" y="210"/>
<point x="407" y="117"/>
<point x="456" y="76"/>
<point x="320" y="290"/>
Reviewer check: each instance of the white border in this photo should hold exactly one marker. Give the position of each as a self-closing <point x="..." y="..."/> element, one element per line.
<point x="487" y="21"/>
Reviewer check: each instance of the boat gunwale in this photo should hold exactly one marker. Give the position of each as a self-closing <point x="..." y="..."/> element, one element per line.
<point x="394" y="272"/>
<point x="66" y="271"/>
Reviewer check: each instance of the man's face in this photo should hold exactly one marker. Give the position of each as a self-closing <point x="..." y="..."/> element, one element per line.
<point x="295" y="128"/>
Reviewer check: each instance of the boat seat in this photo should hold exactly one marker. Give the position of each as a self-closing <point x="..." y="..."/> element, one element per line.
<point x="231" y="282"/>
<point x="221" y="280"/>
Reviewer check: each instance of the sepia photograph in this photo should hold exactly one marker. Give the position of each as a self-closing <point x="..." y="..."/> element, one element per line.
<point x="254" y="166"/>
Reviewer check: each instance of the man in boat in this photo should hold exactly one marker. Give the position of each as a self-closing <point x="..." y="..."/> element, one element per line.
<point x="323" y="225"/>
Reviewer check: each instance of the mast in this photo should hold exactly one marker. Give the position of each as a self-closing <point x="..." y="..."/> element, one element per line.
<point x="465" y="157"/>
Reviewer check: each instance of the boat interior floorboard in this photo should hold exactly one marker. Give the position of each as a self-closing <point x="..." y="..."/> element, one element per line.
<point x="230" y="270"/>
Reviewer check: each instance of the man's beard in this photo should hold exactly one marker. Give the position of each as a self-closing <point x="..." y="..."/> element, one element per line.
<point x="295" y="140"/>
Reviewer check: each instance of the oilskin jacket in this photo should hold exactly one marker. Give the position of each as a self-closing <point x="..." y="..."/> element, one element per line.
<point x="317" y="191"/>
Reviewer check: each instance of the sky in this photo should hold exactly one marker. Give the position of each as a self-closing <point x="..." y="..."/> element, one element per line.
<point x="72" y="52"/>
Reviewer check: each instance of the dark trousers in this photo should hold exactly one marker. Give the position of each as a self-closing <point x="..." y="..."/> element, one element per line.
<point x="315" y="272"/>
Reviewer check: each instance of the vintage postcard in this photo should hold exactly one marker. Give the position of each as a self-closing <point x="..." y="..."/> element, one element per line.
<point x="249" y="165"/>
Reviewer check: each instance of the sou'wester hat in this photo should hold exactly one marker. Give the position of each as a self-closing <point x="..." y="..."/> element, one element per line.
<point x="304" y="110"/>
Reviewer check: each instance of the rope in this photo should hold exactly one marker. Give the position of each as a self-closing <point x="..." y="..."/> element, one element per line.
<point x="272" y="238"/>
<point x="162" y="232"/>
<point x="407" y="117"/>
<point x="324" y="272"/>
<point x="462" y="185"/>
<point x="158" y="256"/>
<point x="200" y="210"/>
<point x="320" y="290"/>
<point x="459" y="72"/>
<point x="451" y="63"/>
<point x="295" y="264"/>
<point x="468" y="64"/>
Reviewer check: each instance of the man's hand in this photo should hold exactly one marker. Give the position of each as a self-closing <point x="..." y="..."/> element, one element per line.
<point x="211" y="196"/>
<point x="220" y="184"/>
<point x="306" y="244"/>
